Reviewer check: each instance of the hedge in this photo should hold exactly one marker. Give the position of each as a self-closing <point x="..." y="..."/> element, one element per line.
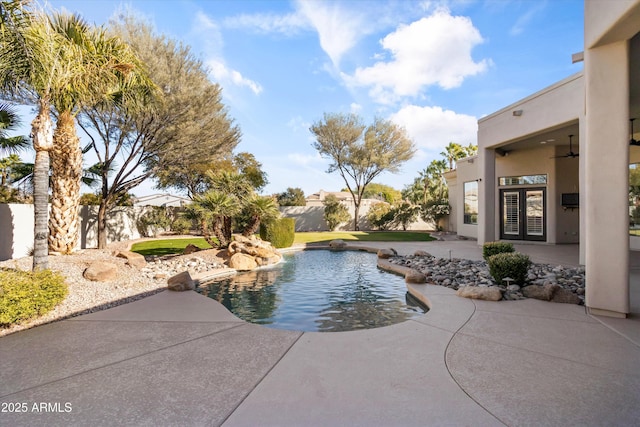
<point x="510" y="264"/>
<point x="280" y="232"/>
<point x="494" y="248"/>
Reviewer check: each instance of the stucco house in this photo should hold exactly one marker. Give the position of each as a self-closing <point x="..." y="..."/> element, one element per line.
<point x="554" y="166"/>
<point x="162" y="199"/>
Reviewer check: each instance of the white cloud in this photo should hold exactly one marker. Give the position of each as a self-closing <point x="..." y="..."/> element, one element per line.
<point x="339" y="28"/>
<point x="305" y="159"/>
<point x="432" y="128"/>
<point x="220" y="73"/>
<point x="288" y="24"/>
<point x="355" y="107"/>
<point x="433" y="50"/>
<point x="519" y="26"/>
<point x="298" y="124"/>
<point x="208" y="32"/>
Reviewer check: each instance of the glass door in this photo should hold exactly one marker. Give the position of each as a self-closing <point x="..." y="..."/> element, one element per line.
<point x="522" y="213"/>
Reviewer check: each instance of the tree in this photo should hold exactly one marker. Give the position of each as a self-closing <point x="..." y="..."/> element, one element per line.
<point x="9" y="120"/>
<point x="247" y="165"/>
<point x="382" y="192"/>
<point x="452" y="153"/>
<point x="104" y="67"/>
<point x="380" y="215"/>
<point x="259" y="209"/>
<point x="32" y="64"/>
<point x="334" y="212"/>
<point x="211" y="210"/>
<point x="292" y="197"/>
<point x="185" y="124"/>
<point x="404" y="214"/>
<point x="361" y="153"/>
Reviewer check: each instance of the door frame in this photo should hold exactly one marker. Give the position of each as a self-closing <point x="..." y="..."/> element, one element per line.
<point x="522" y="212"/>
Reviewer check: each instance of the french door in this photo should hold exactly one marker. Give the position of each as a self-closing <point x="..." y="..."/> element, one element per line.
<point x="522" y="213"/>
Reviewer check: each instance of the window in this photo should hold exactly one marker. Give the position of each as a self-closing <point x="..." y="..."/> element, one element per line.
<point x="471" y="202"/>
<point x="523" y="180"/>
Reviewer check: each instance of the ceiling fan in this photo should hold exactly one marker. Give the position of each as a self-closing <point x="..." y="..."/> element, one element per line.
<point x="570" y="153"/>
<point x="631" y="140"/>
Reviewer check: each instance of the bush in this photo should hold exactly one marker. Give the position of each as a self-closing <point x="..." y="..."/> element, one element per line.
<point x="509" y="264"/>
<point x="280" y="232"/>
<point x="335" y="212"/>
<point x="181" y="225"/>
<point x="494" y="248"/>
<point x="153" y="221"/>
<point x="24" y="295"/>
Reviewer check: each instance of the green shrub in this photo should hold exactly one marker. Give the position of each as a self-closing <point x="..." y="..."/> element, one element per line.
<point x="24" y="295"/>
<point x="154" y="220"/>
<point x="280" y="232"/>
<point x="494" y="248"/>
<point x="181" y="225"/>
<point x="509" y="264"/>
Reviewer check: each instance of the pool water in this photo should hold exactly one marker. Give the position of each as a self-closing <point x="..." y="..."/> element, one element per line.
<point x="318" y="290"/>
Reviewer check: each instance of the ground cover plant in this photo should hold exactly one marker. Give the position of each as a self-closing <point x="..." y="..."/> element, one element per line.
<point x="25" y="294"/>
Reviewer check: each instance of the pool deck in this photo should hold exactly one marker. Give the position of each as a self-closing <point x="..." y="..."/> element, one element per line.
<point x="183" y="359"/>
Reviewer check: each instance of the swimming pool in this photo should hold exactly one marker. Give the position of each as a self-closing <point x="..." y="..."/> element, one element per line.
<point x="318" y="290"/>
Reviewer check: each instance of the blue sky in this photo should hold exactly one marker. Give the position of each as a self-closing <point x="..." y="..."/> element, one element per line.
<point x="435" y="67"/>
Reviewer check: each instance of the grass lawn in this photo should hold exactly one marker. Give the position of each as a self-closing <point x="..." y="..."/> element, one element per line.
<point x="172" y="246"/>
<point x="167" y="246"/>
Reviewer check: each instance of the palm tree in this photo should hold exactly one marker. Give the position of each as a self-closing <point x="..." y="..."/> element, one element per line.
<point x="30" y="66"/>
<point x="102" y="64"/>
<point x="9" y="120"/>
<point x="259" y="209"/>
<point x="453" y="152"/>
<point x="215" y="208"/>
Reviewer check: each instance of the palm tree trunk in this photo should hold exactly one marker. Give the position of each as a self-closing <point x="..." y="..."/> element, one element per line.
<point x="66" y="158"/>
<point x="42" y="131"/>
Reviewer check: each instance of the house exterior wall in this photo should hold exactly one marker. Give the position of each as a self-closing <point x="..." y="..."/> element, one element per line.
<point x="552" y="108"/>
<point x="466" y="170"/>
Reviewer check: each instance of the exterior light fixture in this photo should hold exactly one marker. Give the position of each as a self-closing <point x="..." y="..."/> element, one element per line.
<point x="517" y="113"/>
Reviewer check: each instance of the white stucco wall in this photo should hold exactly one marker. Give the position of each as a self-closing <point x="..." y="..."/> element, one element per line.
<point x="16" y="227"/>
<point x="466" y="170"/>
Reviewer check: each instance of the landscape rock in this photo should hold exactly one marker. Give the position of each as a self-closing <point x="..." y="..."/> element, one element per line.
<point x="260" y="251"/>
<point x="566" y="297"/>
<point x="387" y="253"/>
<point x="191" y="248"/>
<point x="99" y="271"/>
<point x="242" y="262"/>
<point x="415" y="277"/>
<point x="133" y="259"/>
<point x="487" y="293"/>
<point x="181" y="282"/>
<point x="544" y="293"/>
<point x="420" y="253"/>
<point x="337" y="244"/>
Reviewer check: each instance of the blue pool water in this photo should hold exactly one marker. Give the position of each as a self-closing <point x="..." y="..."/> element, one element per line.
<point x="318" y="290"/>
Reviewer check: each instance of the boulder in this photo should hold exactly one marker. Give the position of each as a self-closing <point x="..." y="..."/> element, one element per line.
<point x="242" y="262"/>
<point x="487" y="293"/>
<point x="387" y="253"/>
<point x="133" y="259"/>
<point x="565" y="296"/>
<point x="181" y="282"/>
<point x="544" y="293"/>
<point x="337" y="244"/>
<point x="415" y="276"/>
<point x="422" y="253"/>
<point x="99" y="271"/>
<point x="191" y="248"/>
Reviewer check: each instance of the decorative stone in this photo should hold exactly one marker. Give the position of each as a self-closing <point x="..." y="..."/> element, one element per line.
<point x="565" y="296"/>
<point x="422" y="253"/>
<point x="544" y="293"/>
<point x="181" y="282"/>
<point x="191" y="248"/>
<point x="415" y="277"/>
<point x="100" y="271"/>
<point x="487" y="293"/>
<point x="387" y="253"/>
<point x="133" y="259"/>
<point x="242" y="262"/>
<point x="337" y="244"/>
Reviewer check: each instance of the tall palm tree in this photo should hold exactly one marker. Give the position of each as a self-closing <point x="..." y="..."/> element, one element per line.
<point x="104" y="66"/>
<point x="30" y="66"/>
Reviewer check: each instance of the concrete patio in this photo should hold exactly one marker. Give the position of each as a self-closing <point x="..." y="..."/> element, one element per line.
<point x="183" y="359"/>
